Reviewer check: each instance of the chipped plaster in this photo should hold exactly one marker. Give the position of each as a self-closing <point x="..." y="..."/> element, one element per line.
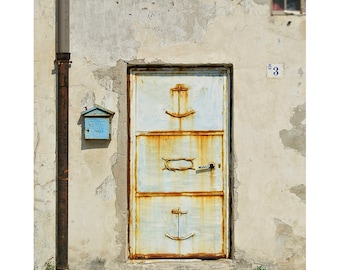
<point x="290" y="247"/>
<point x="299" y="191"/>
<point x="295" y="138"/>
<point x="107" y="36"/>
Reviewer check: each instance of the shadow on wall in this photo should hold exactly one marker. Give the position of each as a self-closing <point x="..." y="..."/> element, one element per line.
<point x="90" y="144"/>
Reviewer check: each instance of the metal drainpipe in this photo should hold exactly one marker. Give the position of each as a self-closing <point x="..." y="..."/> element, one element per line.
<point x="63" y="64"/>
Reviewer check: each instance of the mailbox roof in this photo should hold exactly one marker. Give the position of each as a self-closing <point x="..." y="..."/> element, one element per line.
<point x="97" y="110"/>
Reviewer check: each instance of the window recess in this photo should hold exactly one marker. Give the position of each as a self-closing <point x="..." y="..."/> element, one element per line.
<point x="288" y="7"/>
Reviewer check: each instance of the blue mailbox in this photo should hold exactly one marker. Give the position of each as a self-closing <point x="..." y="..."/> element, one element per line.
<point x="97" y="123"/>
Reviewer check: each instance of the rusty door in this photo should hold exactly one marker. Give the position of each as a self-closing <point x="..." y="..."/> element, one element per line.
<point x="179" y="145"/>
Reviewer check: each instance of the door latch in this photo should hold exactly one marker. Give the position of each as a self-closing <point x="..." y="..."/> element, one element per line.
<point x="204" y="168"/>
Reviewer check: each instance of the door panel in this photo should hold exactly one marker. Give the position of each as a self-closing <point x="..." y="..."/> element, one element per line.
<point x="184" y="93"/>
<point x="179" y="225"/>
<point x="169" y="163"/>
<point x="179" y="142"/>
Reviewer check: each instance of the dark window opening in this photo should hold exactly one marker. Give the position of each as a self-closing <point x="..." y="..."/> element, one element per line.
<point x="288" y="7"/>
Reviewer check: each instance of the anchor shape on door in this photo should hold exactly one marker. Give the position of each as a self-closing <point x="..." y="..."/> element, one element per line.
<point x="178" y="212"/>
<point x="182" y="93"/>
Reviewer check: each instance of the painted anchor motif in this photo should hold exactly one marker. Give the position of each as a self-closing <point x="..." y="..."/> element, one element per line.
<point x="178" y="212"/>
<point x="179" y="88"/>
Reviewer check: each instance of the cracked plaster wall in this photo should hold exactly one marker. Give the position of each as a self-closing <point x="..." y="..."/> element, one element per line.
<point x="44" y="136"/>
<point x="269" y="177"/>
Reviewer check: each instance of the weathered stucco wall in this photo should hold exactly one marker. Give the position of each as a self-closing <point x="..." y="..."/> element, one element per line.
<point x="44" y="133"/>
<point x="268" y="123"/>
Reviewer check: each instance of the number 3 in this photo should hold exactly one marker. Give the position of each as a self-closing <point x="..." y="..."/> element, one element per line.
<point x="276" y="71"/>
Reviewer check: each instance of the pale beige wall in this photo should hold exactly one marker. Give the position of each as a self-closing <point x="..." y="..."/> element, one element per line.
<point x="44" y="132"/>
<point x="268" y="121"/>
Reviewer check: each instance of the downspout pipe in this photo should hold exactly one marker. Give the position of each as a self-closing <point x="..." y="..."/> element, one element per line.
<point x="62" y="64"/>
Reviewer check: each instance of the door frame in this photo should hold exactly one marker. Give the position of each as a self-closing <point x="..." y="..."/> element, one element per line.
<point x="229" y="185"/>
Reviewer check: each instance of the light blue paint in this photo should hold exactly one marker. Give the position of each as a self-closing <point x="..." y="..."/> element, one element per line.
<point x="97" y="123"/>
<point x="97" y="128"/>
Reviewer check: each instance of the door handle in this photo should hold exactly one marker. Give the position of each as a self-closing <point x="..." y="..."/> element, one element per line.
<point x="204" y="168"/>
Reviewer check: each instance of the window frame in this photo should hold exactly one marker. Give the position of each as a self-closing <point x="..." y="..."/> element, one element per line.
<point x="300" y="12"/>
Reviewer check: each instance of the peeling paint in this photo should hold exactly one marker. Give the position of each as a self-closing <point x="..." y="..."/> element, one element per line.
<point x="97" y="264"/>
<point x="106" y="82"/>
<point x="235" y="184"/>
<point x="119" y="166"/>
<point x="194" y="20"/>
<point x="88" y="100"/>
<point x="161" y="18"/>
<point x="295" y="138"/>
<point x="106" y="190"/>
<point x="261" y="2"/>
<point x="291" y="248"/>
<point x="246" y="5"/>
<point x="299" y="191"/>
<point x="300" y="72"/>
<point x="183" y="267"/>
<point x="36" y="140"/>
<point x="243" y="264"/>
<point x="113" y="159"/>
<point x="241" y="260"/>
<point x="109" y="36"/>
<point x="108" y="78"/>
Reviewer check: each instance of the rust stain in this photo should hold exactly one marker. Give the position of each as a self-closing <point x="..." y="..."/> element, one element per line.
<point x="175" y="194"/>
<point x="182" y="101"/>
<point x="179" y="212"/>
<point x="203" y="150"/>
<point x="181" y="168"/>
<point x="168" y="200"/>
<point x="179" y="256"/>
<point x="179" y="238"/>
<point x="181" y="133"/>
<point x="180" y="115"/>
